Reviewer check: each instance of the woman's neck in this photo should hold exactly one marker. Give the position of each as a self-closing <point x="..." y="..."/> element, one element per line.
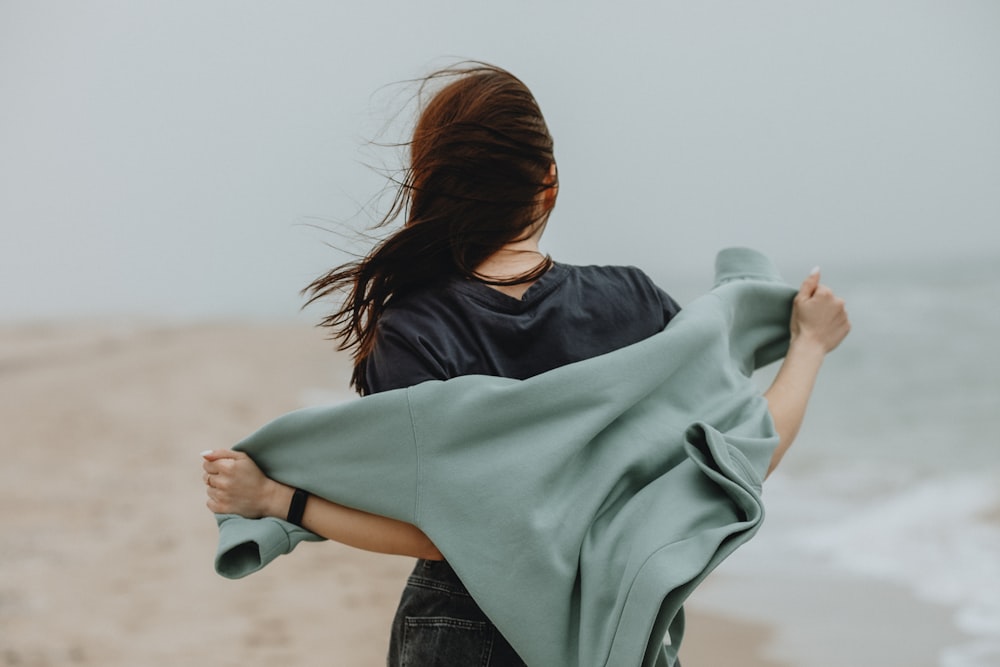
<point x="514" y="259"/>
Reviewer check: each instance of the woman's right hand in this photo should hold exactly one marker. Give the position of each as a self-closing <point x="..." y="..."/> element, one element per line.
<point x="818" y="315"/>
<point x="235" y="485"/>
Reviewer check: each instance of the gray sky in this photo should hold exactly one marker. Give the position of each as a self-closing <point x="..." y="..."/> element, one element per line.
<point x="162" y="157"/>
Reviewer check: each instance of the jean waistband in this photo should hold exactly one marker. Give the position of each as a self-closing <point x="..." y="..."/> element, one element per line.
<point x="437" y="574"/>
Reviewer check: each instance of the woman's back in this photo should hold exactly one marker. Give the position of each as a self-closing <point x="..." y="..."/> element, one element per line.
<point x="463" y="327"/>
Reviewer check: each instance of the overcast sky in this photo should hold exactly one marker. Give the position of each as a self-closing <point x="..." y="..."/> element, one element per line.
<point x="167" y="158"/>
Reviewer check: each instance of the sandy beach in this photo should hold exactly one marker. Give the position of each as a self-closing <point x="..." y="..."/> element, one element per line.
<point x="107" y="546"/>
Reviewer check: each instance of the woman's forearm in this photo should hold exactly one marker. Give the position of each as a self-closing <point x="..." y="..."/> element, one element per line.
<point x="236" y="485"/>
<point x="818" y="325"/>
<point x="789" y="394"/>
<point x="356" y="528"/>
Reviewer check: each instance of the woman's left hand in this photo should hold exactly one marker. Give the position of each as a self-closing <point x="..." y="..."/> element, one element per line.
<point x="235" y="485"/>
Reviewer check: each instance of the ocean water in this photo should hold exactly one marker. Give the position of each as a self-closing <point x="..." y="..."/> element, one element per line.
<point x="895" y="478"/>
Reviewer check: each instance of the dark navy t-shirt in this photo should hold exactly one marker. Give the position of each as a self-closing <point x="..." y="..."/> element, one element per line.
<point x="463" y="327"/>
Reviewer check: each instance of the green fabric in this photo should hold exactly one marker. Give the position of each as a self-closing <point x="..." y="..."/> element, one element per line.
<point x="580" y="507"/>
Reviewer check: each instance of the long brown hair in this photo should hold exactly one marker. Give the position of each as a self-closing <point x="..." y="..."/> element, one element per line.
<point x="480" y="156"/>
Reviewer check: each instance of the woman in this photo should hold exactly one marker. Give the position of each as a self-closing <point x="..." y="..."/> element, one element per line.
<point x="462" y="288"/>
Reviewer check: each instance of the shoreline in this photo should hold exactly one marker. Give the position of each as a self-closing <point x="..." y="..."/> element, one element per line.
<point x="821" y="617"/>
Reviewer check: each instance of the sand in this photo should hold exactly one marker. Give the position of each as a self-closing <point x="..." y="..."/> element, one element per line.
<point x="106" y="547"/>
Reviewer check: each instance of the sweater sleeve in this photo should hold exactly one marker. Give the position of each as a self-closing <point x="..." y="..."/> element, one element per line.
<point x="342" y="453"/>
<point x="758" y="307"/>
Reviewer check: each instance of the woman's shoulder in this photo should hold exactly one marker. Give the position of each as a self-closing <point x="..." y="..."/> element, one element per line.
<point x="610" y="272"/>
<point x="626" y="285"/>
<point x="614" y="275"/>
<point x="411" y="336"/>
<point x="423" y="303"/>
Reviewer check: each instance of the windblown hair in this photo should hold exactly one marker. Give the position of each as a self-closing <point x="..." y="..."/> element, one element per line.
<point x="480" y="156"/>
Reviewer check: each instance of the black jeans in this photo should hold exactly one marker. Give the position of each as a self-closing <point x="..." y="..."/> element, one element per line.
<point x="438" y="624"/>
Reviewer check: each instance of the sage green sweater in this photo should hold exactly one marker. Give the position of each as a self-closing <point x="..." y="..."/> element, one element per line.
<point x="580" y="507"/>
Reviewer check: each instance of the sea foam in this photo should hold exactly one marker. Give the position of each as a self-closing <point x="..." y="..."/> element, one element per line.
<point x="939" y="538"/>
